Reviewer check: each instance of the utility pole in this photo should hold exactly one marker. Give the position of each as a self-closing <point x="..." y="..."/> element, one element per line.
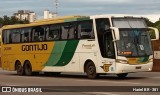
<point x="56" y="7"/>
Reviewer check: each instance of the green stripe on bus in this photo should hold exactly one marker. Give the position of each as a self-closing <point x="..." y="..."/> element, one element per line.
<point x="68" y="53"/>
<point x="56" y="53"/>
<point x="143" y="59"/>
<point x="76" y="19"/>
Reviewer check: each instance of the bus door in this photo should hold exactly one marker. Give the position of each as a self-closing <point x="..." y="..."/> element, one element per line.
<point x="106" y="43"/>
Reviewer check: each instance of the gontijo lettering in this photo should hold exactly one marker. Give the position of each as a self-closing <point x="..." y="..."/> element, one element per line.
<point x="35" y="47"/>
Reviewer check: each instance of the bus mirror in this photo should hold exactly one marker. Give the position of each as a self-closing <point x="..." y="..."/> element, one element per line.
<point x="116" y="32"/>
<point x="154" y="33"/>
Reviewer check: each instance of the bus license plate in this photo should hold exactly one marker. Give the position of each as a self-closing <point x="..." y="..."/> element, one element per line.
<point x="139" y="67"/>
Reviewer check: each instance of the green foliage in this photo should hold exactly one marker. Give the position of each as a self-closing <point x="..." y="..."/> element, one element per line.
<point x="5" y="20"/>
<point x="149" y="23"/>
<point x="152" y="34"/>
<point x="157" y="25"/>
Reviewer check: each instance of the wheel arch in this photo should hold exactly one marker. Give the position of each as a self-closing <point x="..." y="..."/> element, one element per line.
<point x="85" y="64"/>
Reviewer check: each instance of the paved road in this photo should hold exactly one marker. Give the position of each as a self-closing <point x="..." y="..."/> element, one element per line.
<point x="66" y="79"/>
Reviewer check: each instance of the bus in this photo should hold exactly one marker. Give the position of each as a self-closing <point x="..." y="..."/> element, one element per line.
<point x="94" y="45"/>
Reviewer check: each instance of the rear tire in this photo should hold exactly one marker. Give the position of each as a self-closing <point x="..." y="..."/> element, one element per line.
<point x="28" y="68"/>
<point x="19" y="69"/>
<point x="90" y="70"/>
<point x="122" y="76"/>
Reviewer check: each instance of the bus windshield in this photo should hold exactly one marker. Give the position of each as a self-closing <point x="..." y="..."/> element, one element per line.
<point x="134" y="43"/>
<point x="134" y="37"/>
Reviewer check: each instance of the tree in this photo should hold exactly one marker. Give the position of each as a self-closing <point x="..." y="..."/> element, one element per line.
<point x="13" y="20"/>
<point x="149" y="23"/>
<point x="157" y="25"/>
<point x="5" y="20"/>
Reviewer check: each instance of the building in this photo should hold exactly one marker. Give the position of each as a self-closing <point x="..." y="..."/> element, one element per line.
<point x="26" y="14"/>
<point x="32" y="17"/>
<point x="48" y="14"/>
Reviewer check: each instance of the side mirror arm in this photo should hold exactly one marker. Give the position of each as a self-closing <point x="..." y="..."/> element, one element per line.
<point x="116" y="32"/>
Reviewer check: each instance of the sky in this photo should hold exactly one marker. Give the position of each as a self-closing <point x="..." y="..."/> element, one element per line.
<point x="145" y="8"/>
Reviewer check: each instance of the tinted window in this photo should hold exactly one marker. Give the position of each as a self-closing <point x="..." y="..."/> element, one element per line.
<point x="38" y="33"/>
<point x="53" y="33"/>
<point x="85" y="30"/>
<point x="15" y="36"/>
<point x="129" y="23"/>
<point x="65" y="29"/>
<point x="6" y="36"/>
<point x="26" y="32"/>
<point x="69" y="31"/>
<point x="105" y="39"/>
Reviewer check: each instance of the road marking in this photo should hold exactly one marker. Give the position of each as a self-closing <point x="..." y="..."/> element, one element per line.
<point x="84" y="80"/>
<point x="108" y="81"/>
<point x="100" y="93"/>
<point x="8" y="85"/>
<point x="155" y="77"/>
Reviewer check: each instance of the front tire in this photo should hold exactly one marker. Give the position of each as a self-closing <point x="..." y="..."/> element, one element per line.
<point x="122" y="76"/>
<point x="90" y="70"/>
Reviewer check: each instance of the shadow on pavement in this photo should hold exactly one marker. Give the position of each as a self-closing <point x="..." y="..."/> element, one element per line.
<point x="71" y="76"/>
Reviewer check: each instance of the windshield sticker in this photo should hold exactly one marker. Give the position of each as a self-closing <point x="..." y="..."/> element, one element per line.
<point x="126" y="53"/>
<point x="128" y="45"/>
<point x="141" y="47"/>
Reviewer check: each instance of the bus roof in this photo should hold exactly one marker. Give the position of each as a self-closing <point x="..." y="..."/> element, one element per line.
<point x="48" y="21"/>
<point x="115" y="16"/>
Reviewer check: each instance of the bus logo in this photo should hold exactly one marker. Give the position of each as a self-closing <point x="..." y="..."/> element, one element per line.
<point x="105" y="67"/>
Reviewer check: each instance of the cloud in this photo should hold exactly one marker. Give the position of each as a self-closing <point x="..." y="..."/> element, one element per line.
<point x="148" y="8"/>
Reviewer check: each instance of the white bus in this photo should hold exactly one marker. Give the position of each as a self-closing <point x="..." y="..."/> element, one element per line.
<point x="94" y="45"/>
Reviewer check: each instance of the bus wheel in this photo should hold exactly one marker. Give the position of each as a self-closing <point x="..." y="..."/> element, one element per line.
<point x="90" y="70"/>
<point x="28" y="68"/>
<point x="19" y="69"/>
<point x="122" y="76"/>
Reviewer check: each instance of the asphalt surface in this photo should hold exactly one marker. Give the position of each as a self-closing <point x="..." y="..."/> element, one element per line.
<point x="9" y="78"/>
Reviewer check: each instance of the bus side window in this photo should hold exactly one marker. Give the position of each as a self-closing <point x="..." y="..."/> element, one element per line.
<point x="109" y="45"/>
<point x="4" y="33"/>
<point x="85" y="30"/>
<point x="53" y="33"/>
<point x="38" y="34"/>
<point x="64" y="34"/>
<point x="69" y="31"/>
<point x="26" y="34"/>
<point x="15" y="36"/>
<point x="26" y="37"/>
<point x="72" y="31"/>
<point x="105" y="38"/>
<point x="7" y="36"/>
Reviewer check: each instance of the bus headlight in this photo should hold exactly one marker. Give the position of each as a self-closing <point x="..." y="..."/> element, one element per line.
<point x="151" y="60"/>
<point x="122" y="61"/>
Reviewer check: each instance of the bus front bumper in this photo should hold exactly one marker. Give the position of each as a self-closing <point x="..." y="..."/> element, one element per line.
<point x="127" y="68"/>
